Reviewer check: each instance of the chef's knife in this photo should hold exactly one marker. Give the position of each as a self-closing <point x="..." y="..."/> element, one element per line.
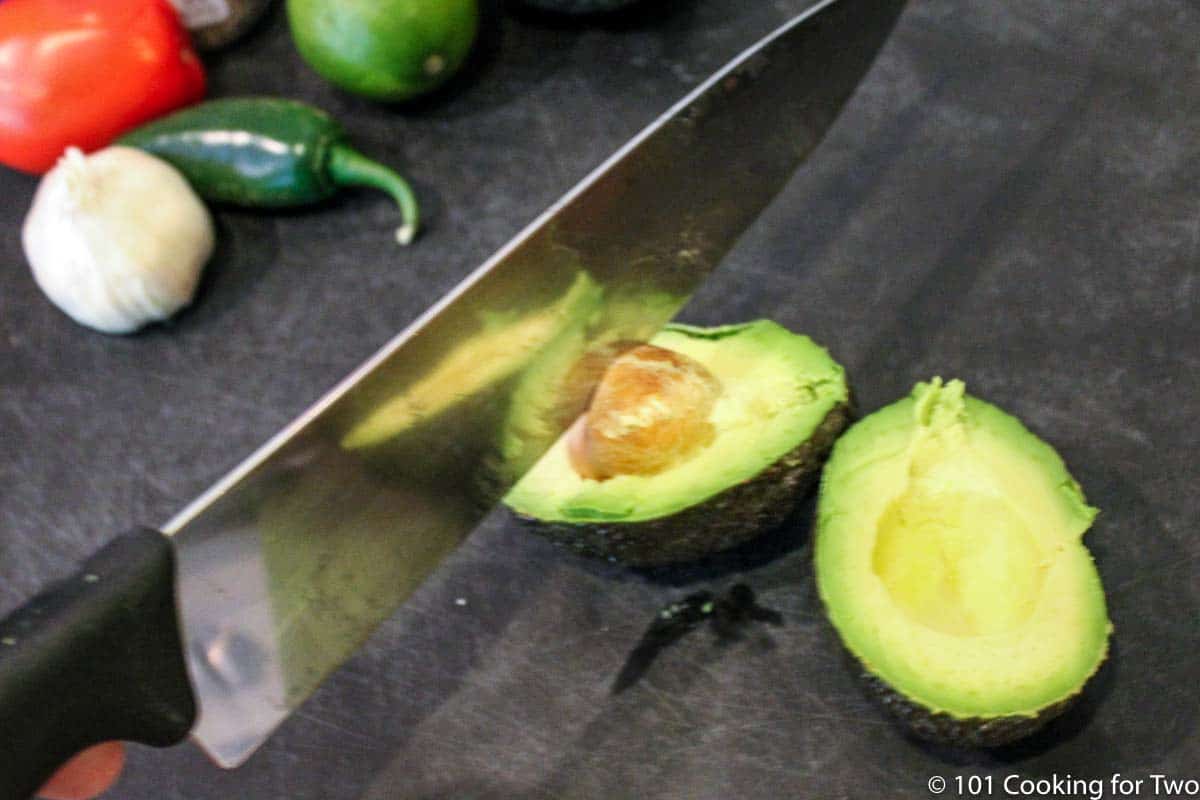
<point x="251" y="595"/>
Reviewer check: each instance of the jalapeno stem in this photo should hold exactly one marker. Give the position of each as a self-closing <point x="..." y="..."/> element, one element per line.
<point x="348" y="167"/>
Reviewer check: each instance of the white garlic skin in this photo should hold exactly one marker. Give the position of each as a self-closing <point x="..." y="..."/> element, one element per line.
<point x="117" y="239"/>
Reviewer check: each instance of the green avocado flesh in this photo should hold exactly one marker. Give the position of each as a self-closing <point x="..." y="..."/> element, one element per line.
<point x="779" y="390"/>
<point x="950" y="560"/>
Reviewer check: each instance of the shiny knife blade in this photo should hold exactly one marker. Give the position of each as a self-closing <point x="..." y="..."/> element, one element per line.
<point x="287" y="564"/>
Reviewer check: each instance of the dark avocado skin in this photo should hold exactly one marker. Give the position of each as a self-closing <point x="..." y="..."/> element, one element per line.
<point x="734" y="516"/>
<point x="941" y="728"/>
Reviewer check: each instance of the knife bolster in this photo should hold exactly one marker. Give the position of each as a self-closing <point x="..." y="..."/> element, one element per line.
<point x="94" y="658"/>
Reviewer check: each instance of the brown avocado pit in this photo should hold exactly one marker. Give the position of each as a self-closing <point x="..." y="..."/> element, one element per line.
<point x="649" y="412"/>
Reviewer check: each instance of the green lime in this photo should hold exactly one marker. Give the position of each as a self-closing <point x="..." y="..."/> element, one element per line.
<point x="388" y="50"/>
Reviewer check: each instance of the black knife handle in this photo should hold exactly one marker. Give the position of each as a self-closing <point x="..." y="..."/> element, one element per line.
<point x="94" y="658"/>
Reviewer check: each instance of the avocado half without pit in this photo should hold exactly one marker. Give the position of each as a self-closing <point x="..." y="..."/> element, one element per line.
<point x="949" y="557"/>
<point x="698" y="441"/>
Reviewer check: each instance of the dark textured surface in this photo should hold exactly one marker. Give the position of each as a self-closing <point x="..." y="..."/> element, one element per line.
<point x="1010" y="199"/>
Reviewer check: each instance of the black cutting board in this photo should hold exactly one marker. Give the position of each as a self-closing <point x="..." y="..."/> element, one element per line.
<point x="1011" y="199"/>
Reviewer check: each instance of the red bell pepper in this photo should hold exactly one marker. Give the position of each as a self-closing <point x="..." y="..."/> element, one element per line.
<point x="82" y="72"/>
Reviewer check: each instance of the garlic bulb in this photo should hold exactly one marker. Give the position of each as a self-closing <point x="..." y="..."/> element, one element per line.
<point x="117" y="239"/>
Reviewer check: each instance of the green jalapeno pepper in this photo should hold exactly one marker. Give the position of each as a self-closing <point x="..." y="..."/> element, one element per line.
<point x="264" y="152"/>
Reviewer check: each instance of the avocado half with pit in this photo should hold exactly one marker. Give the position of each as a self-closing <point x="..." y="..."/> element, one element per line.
<point x="949" y="557"/>
<point x="773" y="404"/>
